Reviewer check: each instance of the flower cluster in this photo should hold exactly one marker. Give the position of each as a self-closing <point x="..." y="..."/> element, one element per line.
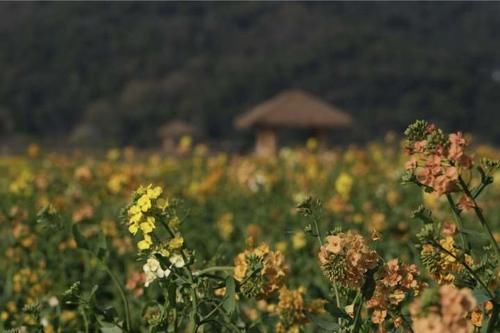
<point x="345" y="258"/>
<point x="153" y="270"/>
<point x="397" y="283"/>
<point x="145" y="200"/>
<point x="446" y="312"/>
<point x="436" y="158"/>
<point x="260" y="271"/>
<point x="293" y="311"/>
<point x="442" y="266"/>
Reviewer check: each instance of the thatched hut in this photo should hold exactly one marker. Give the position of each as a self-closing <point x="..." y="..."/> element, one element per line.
<point x="291" y="109"/>
<point x="171" y="132"/>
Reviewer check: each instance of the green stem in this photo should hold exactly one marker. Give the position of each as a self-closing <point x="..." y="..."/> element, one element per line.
<point x="481" y="217"/>
<point x="479" y="190"/>
<point x="335" y="289"/>
<point x="85" y="320"/>
<point x="122" y="296"/>
<point x="357" y="316"/>
<point x="458" y="221"/>
<point x="194" y="298"/>
<point x="214" y="269"/>
<point x="318" y="235"/>
<point x="214" y="310"/>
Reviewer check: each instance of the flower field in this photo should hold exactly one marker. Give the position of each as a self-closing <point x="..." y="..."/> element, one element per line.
<point x="394" y="236"/>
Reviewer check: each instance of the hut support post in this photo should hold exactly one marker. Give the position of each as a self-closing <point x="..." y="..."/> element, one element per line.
<point x="321" y="135"/>
<point x="265" y="142"/>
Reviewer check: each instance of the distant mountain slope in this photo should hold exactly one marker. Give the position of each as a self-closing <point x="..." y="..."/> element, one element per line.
<point x="125" y="68"/>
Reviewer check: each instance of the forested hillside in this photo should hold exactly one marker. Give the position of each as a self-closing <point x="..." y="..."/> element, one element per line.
<point x="123" y="69"/>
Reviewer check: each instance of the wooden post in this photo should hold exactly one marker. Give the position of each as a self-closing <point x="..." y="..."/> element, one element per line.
<point x="265" y="144"/>
<point x="322" y="137"/>
<point x="168" y="144"/>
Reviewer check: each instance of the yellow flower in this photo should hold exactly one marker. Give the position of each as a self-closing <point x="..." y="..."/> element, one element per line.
<point x="133" y="228"/>
<point x="113" y="154"/>
<point x="225" y="226"/>
<point x="174" y="222"/>
<point x="141" y="190"/>
<point x="281" y="246"/>
<point x="135" y="214"/>
<point x="145" y="243"/>
<point x="343" y="185"/>
<point x="116" y="182"/>
<point x="144" y="203"/>
<point x="448" y="243"/>
<point x="312" y="144"/>
<point x="185" y="144"/>
<point x="357" y="218"/>
<point x="164" y="252"/>
<point x="68" y="315"/>
<point x="176" y="242"/>
<point x="299" y="240"/>
<point x="162" y="203"/>
<point x="153" y="193"/>
<point x="148" y="225"/>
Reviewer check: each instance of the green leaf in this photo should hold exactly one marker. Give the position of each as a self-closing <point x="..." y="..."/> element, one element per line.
<point x="476" y="237"/>
<point x="335" y="311"/>
<point x="229" y="299"/>
<point x="325" y="322"/>
<point x="480" y="295"/>
<point x="93" y="291"/>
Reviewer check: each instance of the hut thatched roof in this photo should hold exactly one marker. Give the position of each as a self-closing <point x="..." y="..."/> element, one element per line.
<point x="176" y="128"/>
<point x="294" y="108"/>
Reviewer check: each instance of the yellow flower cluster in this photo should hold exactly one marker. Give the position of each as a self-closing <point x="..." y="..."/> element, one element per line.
<point x="293" y="311"/>
<point x="442" y="266"/>
<point x="261" y="271"/>
<point x="146" y="198"/>
<point x="21" y="185"/>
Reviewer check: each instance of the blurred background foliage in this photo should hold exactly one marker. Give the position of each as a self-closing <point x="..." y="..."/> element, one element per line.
<point x="115" y="72"/>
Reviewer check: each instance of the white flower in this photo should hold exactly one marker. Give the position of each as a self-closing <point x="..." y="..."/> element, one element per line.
<point x="163" y="273"/>
<point x="153" y="264"/>
<point x="177" y="260"/>
<point x="153" y="270"/>
<point x="150" y="277"/>
<point x="53" y="302"/>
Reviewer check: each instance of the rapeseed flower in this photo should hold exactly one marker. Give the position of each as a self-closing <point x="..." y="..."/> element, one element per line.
<point x="446" y="313"/>
<point x="293" y="311"/>
<point x="345" y="258"/>
<point x="139" y="215"/>
<point x="343" y="185"/>
<point x="153" y="270"/>
<point x="261" y="271"/>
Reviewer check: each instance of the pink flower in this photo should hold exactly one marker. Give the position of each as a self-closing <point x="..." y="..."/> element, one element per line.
<point x="466" y="203"/>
